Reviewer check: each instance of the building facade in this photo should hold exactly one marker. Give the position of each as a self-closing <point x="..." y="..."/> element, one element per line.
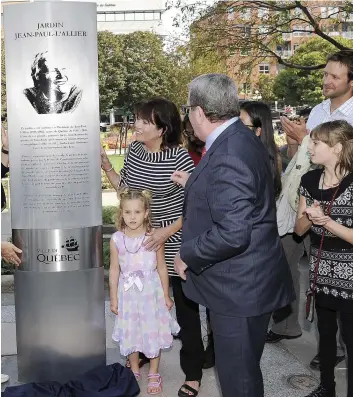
<point x="127" y="16"/>
<point x="248" y="20"/>
<point x="122" y="16"/>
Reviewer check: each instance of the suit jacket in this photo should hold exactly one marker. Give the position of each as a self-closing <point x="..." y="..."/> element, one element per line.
<point x="230" y="243"/>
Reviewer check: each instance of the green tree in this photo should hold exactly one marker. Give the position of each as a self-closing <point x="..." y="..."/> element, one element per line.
<point x="111" y="69"/>
<point x="265" y="87"/>
<point x="3" y="81"/>
<point x="259" y="28"/>
<point x="187" y="66"/>
<point x="296" y="86"/>
<point x="150" y="71"/>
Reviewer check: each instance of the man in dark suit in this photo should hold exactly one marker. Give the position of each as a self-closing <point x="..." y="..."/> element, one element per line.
<point x="231" y="255"/>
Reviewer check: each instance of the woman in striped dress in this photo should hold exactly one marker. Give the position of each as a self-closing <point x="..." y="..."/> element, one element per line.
<point x="149" y="164"/>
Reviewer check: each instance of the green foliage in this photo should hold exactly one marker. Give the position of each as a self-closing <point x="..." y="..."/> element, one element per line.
<point x="265" y="87"/>
<point x="117" y="161"/>
<point x="7" y="268"/>
<point x="105" y="181"/>
<point x="111" y="69"/>
<point x="106" y="255"/>
<point x="150" y="71"/>
<point x="134" y="67"/>
<point x="227" y="28"/>
<point x="297" y="87"/>
<point x="108" y="215"/>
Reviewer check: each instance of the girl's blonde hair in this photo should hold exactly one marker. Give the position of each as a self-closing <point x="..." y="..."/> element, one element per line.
<point x="333" y="132"/>
<point x="127" y="193"/>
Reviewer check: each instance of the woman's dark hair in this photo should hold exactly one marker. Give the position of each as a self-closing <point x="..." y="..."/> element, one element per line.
<point x="195" y="146"/>
<point x="164" y="115"/>
<point x="260" y="115"/>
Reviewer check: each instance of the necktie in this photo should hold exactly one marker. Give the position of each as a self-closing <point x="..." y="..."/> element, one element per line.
<point x="203" y="151"/>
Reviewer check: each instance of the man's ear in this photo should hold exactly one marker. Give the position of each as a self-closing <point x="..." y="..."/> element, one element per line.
<point x="201" y="117"/>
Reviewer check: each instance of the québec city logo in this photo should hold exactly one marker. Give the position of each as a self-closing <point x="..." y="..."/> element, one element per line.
<point x="52" y="255"/>
<point x="71" y="245"/>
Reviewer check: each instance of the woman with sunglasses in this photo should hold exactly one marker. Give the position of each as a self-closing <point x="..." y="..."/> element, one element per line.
<point x="257" y="117"/>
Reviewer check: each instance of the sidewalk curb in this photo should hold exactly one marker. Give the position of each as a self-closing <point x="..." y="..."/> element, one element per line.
<point x="7" y="282"/>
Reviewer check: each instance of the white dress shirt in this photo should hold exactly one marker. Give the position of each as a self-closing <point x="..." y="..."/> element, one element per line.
<point x="322" y="113"/>
<point x="218" y="131"/>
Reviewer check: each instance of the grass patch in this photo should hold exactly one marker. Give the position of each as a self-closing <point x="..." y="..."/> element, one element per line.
<point x="117" y="161"/>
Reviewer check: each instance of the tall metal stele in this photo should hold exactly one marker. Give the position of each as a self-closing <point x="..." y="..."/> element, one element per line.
<point x="53" y="124"/>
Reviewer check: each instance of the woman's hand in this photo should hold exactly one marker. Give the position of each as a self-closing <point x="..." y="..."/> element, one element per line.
<point x="9" y="253"/>
<point x="114" y="307"/>
<point x="157" y="238"/>
<point x="169" y="302"/>
<point x="180" y="177"/>
<point x="106" y="164"/>
<point x="316" y="214"/>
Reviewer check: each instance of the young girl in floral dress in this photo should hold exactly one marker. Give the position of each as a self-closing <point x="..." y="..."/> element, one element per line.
<point x="139" y="288"/>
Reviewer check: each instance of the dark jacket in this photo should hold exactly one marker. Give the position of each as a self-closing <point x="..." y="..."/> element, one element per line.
<point x="107" y="381"/>
<point x="4" y="171"/>
<point x="230" y="238"/>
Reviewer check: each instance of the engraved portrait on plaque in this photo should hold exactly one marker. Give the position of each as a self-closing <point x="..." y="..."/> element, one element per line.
<point x="52" y="92"/>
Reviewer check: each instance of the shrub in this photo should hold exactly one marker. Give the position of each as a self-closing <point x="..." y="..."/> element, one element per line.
<point x="108" y="215"/>
<point x="7" y="268"/>
<point x="106" y="255"/>
<point x="105" y="181"/>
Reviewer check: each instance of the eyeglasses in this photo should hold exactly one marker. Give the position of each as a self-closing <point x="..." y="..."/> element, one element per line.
<point x="186" y="108"/>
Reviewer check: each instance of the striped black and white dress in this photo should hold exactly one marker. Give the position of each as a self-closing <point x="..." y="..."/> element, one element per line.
<point x="152" y="171"/>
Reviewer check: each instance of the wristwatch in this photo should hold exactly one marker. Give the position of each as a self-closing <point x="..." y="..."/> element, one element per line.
<point x="4" y="151"/>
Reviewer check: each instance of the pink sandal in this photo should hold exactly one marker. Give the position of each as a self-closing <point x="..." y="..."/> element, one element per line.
<point x="137" y="376"/>
<point x="154" y="384"/>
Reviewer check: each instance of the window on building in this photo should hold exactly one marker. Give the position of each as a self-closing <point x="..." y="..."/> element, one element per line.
<point x="347" y="30"/>
<point x="244" y="31"/>
<point x="298" y="13"/>
<point x="332" y="11"/>
<point x="263" y="29"/>
<point x="245" y="14"/>
<point x="148" y="16"/>
<point x="230" y="12"/>
<point x="245" y="88"/>
<point x="295" y="47"/>
<point x="120" y="16"/>
<point x="109" y="17"/>
<point x="301" y="30"/>
<point x="332" y="28"/>
<point x="244" y="52"/>
<point x="139" y="16"/>
<point x="323" y="12"/>
<point x="264" y="68"/>
<point x="262" y="12"/>
<point x="128" y="16"/>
